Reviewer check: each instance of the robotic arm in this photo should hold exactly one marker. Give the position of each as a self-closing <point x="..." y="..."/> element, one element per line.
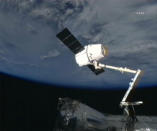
<point x="91" y="56"/>
<point x="128" y="106"/>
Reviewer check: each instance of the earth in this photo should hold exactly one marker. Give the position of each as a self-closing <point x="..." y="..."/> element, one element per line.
<point x="30" y="50"/>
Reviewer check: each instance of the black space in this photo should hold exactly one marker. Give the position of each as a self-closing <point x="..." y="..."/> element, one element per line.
<point x="28" y="106"/>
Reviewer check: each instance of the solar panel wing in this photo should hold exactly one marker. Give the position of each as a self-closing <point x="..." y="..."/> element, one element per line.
<point x="70" y="41"/>
<point x="74" y="45"/>
<point x="96" y="71"/>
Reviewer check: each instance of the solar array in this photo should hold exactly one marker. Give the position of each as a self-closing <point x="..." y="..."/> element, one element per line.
<point x="70" y="41"/>
<point x="75" y="46"/>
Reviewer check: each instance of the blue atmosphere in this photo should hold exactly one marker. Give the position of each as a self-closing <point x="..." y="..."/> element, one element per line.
<point x="29" y="48"/>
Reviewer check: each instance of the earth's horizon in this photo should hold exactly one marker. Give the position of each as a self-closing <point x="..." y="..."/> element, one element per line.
<point x="29" y="48"/>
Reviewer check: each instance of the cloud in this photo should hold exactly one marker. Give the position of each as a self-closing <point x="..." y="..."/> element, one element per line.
<point x="56" y="11"/>
<point x="131" y="38"/>
<point x="50" y="54"/>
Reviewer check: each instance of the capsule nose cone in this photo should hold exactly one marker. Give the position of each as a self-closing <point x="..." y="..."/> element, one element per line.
<point x="105" y="51"/>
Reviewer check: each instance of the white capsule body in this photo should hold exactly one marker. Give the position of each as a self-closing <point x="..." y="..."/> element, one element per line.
<point x="90" y="53"/>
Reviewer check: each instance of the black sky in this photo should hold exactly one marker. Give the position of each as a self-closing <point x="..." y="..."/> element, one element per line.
<point x="27" y="106"/>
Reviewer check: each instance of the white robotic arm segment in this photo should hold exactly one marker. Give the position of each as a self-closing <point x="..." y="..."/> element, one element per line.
<point x="121" y="69"/>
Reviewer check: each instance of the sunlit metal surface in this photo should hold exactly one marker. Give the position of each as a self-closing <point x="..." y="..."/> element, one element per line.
<point x="76" y="116"/>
